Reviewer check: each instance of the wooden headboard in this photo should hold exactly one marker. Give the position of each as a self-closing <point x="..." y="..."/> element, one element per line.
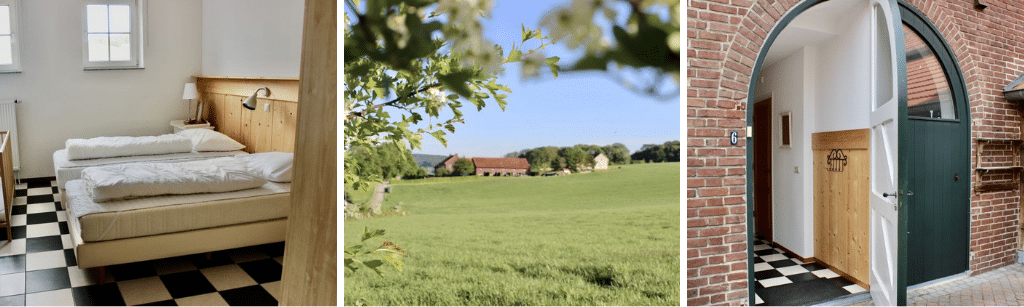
<point x="271" y="127"/>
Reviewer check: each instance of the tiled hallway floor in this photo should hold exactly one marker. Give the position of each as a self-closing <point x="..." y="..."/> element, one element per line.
<point x="39" y="268"/>
<point x="784" y="280"/>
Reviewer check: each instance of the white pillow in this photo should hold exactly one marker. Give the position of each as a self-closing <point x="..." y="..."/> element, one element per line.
<point x="209" y="140"/>
<point x="273" y="166"/>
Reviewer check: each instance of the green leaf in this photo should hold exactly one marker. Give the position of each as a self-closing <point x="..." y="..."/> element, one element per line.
<point x="375" y="266"/>
<point x="526" y="33"/>
<point x="590" y="61"/>
<point x="553" y="64"/>
<point x="456" y="82"/>
<point x="439" y="135"/>
<point x="350" y="264"/>
<point x="352" y="250"/>
<point x="514" y="56"/>
<point x="369" y="234"/>
<point x="394" y="259"/>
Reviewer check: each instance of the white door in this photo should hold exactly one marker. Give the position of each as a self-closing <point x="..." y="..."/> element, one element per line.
<point x="888" y="58"/>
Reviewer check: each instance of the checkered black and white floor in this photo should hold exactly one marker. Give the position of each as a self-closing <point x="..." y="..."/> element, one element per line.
<point x="785" y="280"/>
<point x="38" y="267"/>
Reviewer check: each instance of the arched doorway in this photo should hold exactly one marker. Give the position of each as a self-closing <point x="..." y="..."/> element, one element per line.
<point x="933" y="136"/>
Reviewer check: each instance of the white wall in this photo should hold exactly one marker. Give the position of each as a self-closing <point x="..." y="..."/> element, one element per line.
<point x="844" y="75"/>
<point x="785" y="82"/>
<point x="264" y="41"/>
<point x="61" y="101"/>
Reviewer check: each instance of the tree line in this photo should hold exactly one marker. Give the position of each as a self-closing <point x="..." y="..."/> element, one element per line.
<point x="667" y="152"/>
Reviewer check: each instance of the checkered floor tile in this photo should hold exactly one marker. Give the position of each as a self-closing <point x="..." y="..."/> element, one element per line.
<point x="38" y="267"/>
<point x="785" y="280"/>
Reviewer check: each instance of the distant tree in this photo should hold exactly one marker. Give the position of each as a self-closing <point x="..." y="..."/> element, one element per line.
<point x="617" y="153"/>
<point x="671" y="150"/>
<point x="574" y="157"/>
<point x="557" y="163"/>
<point x="540" y="157"/>
<point x="667" y="152"/>
<point x="514" y="154"/>
<point x="415" y="173"/>
<point x="441" y="172"/>
<point x="593" y="150"/>
<point x="463" y="167"/>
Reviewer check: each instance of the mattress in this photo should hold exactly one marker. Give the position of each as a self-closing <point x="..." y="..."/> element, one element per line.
<point x="67" y="170"/>
<point x="149" y="216"/>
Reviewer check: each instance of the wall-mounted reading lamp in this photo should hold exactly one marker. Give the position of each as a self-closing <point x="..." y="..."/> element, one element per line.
<point x="250" y="103"/>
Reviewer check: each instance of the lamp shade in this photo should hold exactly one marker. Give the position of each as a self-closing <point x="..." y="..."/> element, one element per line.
<point x="190" y="91"/>
<point x="250" y="102"/>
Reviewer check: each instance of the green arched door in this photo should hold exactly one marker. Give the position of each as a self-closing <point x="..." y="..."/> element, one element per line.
<point x="938" y="172"/>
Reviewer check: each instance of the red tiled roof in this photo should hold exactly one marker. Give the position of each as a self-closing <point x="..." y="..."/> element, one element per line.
<point x="448" y="163"/>
<point x="508" y="163"/>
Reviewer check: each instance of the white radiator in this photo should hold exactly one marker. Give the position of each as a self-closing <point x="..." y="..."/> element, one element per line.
<point x="8" y="122"/>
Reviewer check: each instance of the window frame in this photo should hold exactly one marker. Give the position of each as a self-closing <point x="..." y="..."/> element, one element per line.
<point x="136" y="9"/>
<point x="15" y="12"/>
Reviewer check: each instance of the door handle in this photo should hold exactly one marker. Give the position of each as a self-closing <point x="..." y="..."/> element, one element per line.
<point x="909" y="193"/>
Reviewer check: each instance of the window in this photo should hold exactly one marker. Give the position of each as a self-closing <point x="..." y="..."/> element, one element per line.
<point x="113" y="36"/>
<point x="928" y="93"/>
<point x="9" y="58"/>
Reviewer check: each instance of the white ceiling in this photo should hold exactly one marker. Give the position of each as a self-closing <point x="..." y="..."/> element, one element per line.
<point x="812" y="27"/>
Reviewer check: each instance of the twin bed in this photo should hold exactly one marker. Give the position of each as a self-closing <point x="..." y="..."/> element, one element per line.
<point x="143" y="227"/>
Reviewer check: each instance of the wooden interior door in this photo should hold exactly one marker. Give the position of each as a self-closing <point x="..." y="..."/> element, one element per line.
<point x="763" y="168"/>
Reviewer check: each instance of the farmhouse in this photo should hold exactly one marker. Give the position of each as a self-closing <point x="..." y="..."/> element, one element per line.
<point x="448" y="163"/>
<point x="501" y="166"/>
<point x="600" y="162"/>
<point x="869" y="136"/>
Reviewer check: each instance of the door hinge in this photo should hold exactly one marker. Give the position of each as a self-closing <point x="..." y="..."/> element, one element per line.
<point x="750" y="132"/>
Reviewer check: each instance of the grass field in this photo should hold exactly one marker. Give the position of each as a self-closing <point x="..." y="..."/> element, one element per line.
<point x="604" y="238"/>
<point x="359" y="197"/>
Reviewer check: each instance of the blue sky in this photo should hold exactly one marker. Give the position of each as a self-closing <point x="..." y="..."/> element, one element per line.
<point x="575" y="108"/>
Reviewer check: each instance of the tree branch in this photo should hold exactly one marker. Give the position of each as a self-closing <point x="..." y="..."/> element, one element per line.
<point x="392" y="102"/>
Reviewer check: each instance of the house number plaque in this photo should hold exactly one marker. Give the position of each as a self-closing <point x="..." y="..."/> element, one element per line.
<point x="836" y="160"/>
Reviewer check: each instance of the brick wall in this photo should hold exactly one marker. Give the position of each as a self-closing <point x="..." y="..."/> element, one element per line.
<point x="724" y="38"/>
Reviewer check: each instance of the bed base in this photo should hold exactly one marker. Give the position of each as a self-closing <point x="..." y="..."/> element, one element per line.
<point x="104" y="253"/>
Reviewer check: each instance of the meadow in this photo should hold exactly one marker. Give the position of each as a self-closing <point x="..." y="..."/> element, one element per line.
<point x="603" y="238"/>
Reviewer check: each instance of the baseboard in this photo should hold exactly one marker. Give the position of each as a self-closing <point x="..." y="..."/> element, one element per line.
<point x="783" y="248"/>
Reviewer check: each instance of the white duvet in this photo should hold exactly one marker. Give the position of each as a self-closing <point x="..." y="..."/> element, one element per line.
<point x="131" y="180"/>
<point x="120" y="146"/>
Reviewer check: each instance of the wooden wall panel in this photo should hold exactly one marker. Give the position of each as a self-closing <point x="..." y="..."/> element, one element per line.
<point x="841" y="221"/>
<point x="286" y="89"/>
<point x="283" y="138"/>
<point x="261" y="125"/>
<point x="258" y="130"/>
